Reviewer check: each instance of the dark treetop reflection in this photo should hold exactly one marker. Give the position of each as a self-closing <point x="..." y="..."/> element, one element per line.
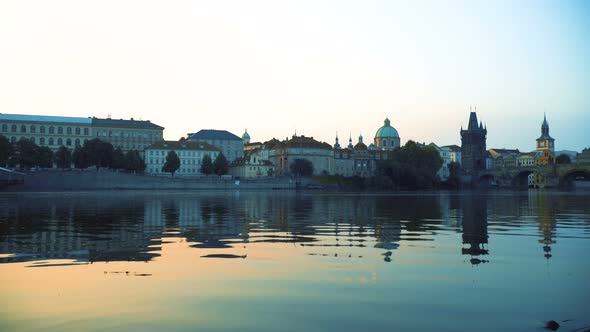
<point x="414" y="247"/>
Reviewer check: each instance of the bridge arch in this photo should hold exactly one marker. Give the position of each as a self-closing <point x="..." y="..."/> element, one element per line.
<point x="521" y="179"/>
<point x="577" y="174"/>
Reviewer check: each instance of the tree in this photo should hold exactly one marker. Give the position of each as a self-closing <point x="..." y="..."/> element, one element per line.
<point x="133" y="162"/>
<point x="80" y="158"/>
<point x="119" y="159"/>
<point x="5" y="150"/>
<point x="99" y="153"/>
<point x="563" y="159"/>
<point x="63" y="157"/>
<point x="26" y="151"/>
<point x="220" y="165"/>
<point x="44" y="157"/>
<point x="207" y="165"/>
<point x="454" y="179"/>
<point x="301" y="167"/>
<point x="172" y="163"/>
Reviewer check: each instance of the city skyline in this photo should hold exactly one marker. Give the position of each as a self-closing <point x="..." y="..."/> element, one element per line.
<point x="311" y="68"/>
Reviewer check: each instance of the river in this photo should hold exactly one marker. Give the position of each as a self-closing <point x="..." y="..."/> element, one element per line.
<point x="287" y="261"/>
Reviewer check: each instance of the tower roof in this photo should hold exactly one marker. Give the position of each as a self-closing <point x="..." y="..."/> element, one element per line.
<point x="472" y="121"/>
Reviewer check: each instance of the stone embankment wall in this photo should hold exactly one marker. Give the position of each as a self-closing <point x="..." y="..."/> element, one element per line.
<point x="108" y="180"/>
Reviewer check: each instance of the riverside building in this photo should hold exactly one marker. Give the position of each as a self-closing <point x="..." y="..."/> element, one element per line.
<point x="191" y="156"/>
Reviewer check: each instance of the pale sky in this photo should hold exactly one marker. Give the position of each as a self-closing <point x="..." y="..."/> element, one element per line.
<point x="317" y="67"/>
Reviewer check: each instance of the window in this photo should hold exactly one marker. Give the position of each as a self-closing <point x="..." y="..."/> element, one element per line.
<point x="77" y="142"/>
<point x="4" y="127"/>
<point x="50" y="141"/>
<point x="33" y="129"/>
<point x="77" y="131"/>
<point x="42" y="129"/>
<point x="23" y="129"/>
<point x="60" y="141"/>
<point x="69" y="130"/>
<point x="86" y="131"/>
<point x="60" y="130"/>
<point x="42" y="141"/>
<point x="68" y="142"/>
<point x="384" y="143"/>
<point x="51" y="130"/>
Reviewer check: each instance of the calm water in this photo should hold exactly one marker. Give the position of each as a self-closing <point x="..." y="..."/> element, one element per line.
<point x="270" y="261"/>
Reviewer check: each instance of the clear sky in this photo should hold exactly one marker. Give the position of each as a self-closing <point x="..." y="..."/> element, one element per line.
<point x="317" y="67"/>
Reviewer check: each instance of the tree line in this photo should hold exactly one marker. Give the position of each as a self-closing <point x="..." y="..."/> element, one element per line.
<point x="26" y="154"/>
<point x="220" y="166"/>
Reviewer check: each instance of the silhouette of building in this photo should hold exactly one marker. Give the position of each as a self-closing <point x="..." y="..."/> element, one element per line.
<point x="473" y="146"/>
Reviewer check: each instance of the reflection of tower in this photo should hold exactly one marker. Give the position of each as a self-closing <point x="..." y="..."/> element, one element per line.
<point x="475" y="228"/>
<point x="546" y="217"/>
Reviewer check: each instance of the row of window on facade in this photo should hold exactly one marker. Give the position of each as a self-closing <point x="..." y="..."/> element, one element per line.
<point x="183" y="161"/>
<point x="179" y="153"/>
<point x="42" y="130"/>
<point x="126" y="134"/>
<point x="182" y="170"/>
<point x="51" y="141"/>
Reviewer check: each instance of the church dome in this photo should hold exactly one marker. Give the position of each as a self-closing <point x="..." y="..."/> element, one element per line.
<point x="246" y="136"/>
<point x="387" y="131"/>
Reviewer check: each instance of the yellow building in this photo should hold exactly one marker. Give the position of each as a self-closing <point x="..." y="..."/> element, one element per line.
<point x="127" y="134"/>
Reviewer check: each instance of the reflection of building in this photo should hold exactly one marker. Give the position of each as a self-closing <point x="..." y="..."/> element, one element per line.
<point x="546" y="218"/>
<point x="229" y="144"/>
<point x="190" y="154"/>
<point x="473" y="146"/>
<point x="475" y="227"/>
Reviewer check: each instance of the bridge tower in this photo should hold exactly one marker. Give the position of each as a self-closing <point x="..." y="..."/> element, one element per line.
<point x="473" y="146"/>
<point x="545" y="142"/>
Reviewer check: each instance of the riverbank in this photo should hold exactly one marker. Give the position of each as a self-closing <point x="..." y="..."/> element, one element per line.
<point x="109" y="180"/>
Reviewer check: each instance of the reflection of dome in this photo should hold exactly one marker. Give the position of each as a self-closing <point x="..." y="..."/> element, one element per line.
<point x="387" y="131"/>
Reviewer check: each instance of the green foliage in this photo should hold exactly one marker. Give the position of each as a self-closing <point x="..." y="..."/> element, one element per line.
<point x="6" y="150"/>
<point x="98" y="153"/>
<point x="63" y="157"/>
<point x="411" y="167"/>
<point x="301" y="167"/>
<point x="172" y="163"/>
<point x="26" y="152"/>
<point x="80" y="158"/>
<point x="134" y="163"/>
<point x="119" y="159"/>
<point x="44" y="157"/>
<point x="563" y="159"/>
<point x="207" y="165"/>
<point x="220" y="165"/>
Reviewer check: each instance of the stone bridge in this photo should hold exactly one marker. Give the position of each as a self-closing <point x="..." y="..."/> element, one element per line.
<point x="562" y="175"/>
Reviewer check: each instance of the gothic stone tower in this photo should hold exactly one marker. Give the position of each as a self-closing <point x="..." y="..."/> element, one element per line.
<point x="473" y="146"/>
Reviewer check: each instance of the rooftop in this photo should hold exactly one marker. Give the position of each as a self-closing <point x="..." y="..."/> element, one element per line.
<point x="210" y="134"/>
<point x="131" y="123"/>
<point x="44" y="118"/>
<point x="184" y="145"/>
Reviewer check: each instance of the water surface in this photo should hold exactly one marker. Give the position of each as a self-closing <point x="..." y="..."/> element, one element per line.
<point x="269" y="261"/>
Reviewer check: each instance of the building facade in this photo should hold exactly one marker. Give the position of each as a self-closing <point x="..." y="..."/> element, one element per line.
<point x="473" y="146"/>
<point x="49" y="131"/>
<point x="127" y="134"/>
<point x="191" y="155"/>
<point x="229" y="144"/>
<point x="283" y="153"/>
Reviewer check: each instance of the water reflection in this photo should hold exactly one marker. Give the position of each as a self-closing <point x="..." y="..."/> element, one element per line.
<point x="92" y="227"/>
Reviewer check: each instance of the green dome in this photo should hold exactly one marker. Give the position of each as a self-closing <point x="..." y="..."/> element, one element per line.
<point x="387" y="131"/>
<point x="246" y="135"/>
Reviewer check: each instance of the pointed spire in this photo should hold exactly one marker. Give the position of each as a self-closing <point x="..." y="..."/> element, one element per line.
<point x="472" y="121"/>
